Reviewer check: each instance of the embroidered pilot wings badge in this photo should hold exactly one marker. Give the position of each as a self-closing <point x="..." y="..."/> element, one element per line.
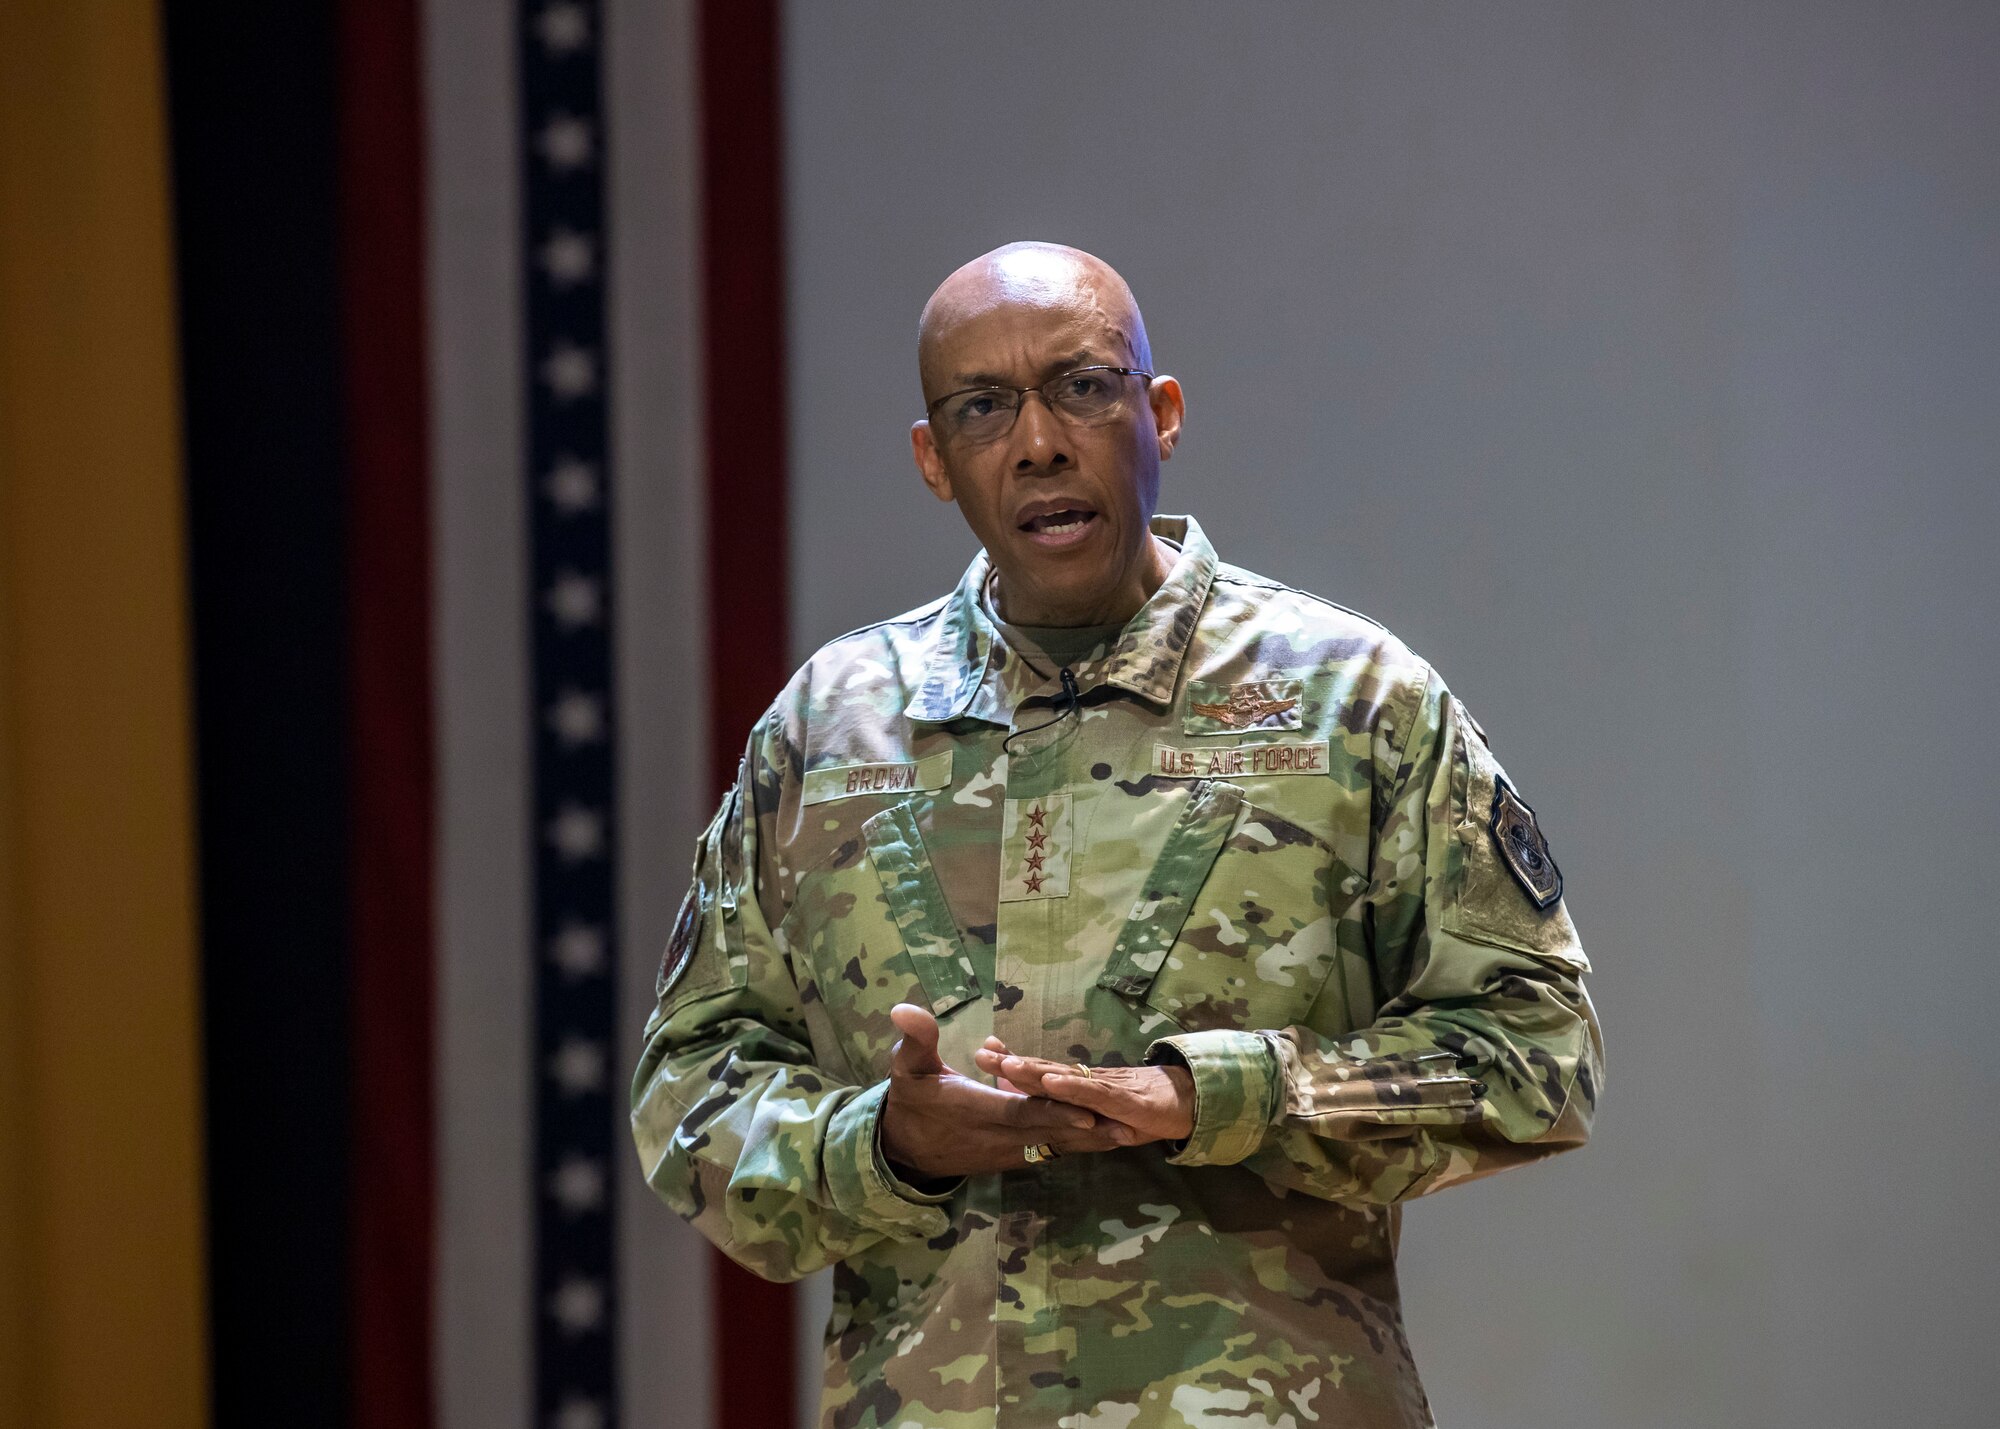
<point x="1243" y="708"/>
<point x="1217" y="708"/>
<point x="1523" y="848"/>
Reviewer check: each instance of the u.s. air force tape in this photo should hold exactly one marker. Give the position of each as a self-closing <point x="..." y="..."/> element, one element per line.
<point x="1242" y="761"/>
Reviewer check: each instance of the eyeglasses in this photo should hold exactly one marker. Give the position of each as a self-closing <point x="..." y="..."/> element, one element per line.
<point x="1084" y="395"/>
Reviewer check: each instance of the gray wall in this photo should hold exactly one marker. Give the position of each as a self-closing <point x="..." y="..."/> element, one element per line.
<point x="1637" y="364"/>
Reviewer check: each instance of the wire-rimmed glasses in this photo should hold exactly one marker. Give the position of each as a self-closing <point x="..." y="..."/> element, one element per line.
<point x="1084" y="395"/>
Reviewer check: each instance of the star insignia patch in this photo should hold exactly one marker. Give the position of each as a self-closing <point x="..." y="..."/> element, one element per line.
<point x="1035" y="848"/>
<point x="1523" y="848"/>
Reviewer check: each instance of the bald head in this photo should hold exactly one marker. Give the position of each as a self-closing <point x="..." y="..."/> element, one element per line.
<point x="1024" y="277"/>
<point x="1060" y="491"/>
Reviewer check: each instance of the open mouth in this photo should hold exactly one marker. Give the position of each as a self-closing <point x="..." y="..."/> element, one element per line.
<point x="1060" y="523"/>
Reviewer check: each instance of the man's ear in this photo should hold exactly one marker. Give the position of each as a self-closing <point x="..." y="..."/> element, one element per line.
<point x="1169" y="408"/>
<point x="930" y="461"/>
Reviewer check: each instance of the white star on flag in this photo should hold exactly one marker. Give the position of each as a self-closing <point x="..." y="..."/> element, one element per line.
<point x="568" y="257"/>
<point x="564" y="27"/>
<point x="575" y="600"/>
<point x="577" y="718"/>
<point x="578" y="1066"/>
<point x="579" y="950"/>
<point x="570" y="371"/>
<point x="572" y="485"/>
<point x="577" y="833"/>
<point x="565" y="142"/>
<point x="578" y="1184"/>
<point x="578" y="1304"/>
<point x="578" y="1414"/>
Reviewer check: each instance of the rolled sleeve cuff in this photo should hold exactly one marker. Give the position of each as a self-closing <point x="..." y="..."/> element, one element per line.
<point x="863" y="1187"/>
<point x="1236" y="1084"/>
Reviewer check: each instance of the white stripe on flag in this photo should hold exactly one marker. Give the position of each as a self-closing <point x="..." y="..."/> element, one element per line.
<point x="485" y="1320"/>
<point x="484" y="1327"/>
<point x="811" y="1309"/>
<point x="663" y="799"/>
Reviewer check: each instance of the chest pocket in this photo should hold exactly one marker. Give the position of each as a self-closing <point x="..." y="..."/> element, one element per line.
<point x="870" y="928"/>
<point x="1240" y="921"/>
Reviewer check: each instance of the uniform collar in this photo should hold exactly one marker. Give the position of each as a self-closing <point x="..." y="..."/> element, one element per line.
<point x="967" y="667"/>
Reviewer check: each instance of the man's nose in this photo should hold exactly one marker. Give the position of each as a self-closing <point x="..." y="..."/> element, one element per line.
<point x="1038" y="438"/>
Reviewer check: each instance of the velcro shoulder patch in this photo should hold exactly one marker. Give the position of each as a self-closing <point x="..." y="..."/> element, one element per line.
<point x="696" y="961"/>
<point x="1518" y="838"/>
<point x="680" y="943"/>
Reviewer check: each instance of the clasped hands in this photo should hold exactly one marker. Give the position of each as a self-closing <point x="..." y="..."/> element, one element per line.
<point x="940" y="1124"/>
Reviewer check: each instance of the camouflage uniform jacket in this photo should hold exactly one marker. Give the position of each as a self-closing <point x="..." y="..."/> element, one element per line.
<point x="1268" y="843"/>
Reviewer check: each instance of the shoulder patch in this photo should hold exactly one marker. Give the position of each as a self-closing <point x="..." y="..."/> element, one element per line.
<point x="680" y="943"/>
<point x="1523" y="847"/>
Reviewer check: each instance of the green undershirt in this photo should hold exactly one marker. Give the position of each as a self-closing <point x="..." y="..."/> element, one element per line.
<point x="1055" y="645"/>
<point x="1059" y="644"/>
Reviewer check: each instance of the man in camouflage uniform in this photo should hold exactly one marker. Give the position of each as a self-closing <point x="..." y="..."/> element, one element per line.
<point x="1087" y="965"/>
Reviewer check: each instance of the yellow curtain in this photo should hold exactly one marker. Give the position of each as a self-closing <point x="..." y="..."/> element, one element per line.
<point x="102" y="1320"/>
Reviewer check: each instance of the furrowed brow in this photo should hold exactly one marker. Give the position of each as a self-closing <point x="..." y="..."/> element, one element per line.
<point x="1082" y="358"/>
<point x="1055" y="367"/>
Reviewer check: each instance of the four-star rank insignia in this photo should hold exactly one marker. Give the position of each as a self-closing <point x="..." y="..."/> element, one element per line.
<point x="1523" y="848"/>
<point x="1035" y="849"/>
<point x="680" y="943"/>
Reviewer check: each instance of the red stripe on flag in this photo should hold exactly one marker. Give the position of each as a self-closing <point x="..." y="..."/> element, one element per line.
<point x="743" y="350"/>
<point x="382" y="268"/>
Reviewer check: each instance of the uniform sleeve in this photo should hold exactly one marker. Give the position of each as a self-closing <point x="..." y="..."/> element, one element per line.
<point x="1485" y="1052"/>
<point x="769" y="1156"/>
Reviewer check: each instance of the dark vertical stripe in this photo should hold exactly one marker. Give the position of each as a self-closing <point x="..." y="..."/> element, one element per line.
<point x="577" y="1112"/>
<point x="390" y="851"/>
<point x="253" y="113"/>
<point x="743" y="350"/>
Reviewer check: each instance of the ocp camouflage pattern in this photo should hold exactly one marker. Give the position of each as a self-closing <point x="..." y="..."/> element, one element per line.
<point x="1309" y="910"/>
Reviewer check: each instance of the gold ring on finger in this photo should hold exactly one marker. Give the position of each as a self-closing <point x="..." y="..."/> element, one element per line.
<point x="1084" y="1071"/>
<point x="1040" y="1151"/>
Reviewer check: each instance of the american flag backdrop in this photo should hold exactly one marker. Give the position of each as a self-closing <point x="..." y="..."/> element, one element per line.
<point x="603" y="231"/>
<point x="489" y="586"/>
